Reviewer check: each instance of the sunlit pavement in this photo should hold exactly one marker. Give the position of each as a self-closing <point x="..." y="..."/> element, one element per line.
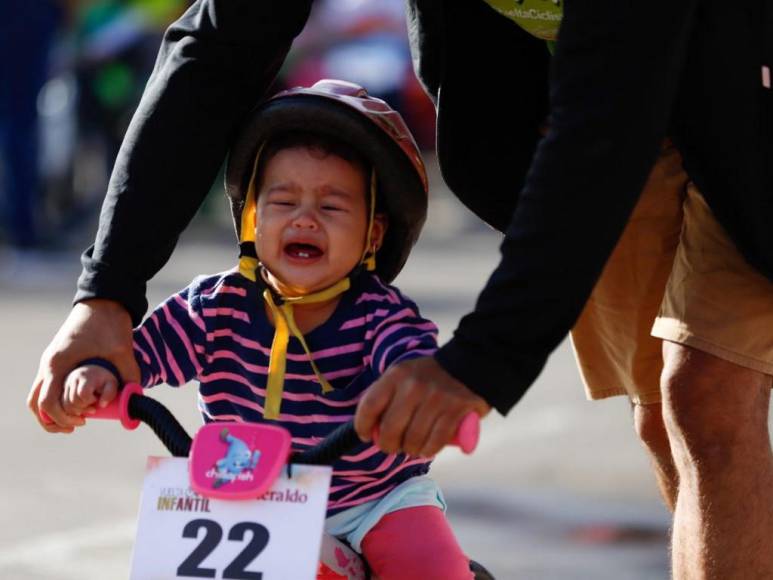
<point x="560" y="489"/>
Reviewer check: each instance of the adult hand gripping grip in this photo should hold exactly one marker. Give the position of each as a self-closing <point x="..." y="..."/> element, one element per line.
<point x="467" y="434"/>
<point x="117" y="409"/>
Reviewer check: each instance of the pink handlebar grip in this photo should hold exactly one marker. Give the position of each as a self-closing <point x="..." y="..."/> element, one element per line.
<point x="117" y="409"/>
<point x="467" y="434"/>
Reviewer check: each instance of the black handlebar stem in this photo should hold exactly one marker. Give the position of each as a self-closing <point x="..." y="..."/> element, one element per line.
<point x="160" y="419"/>
<point x="331" y="448"/>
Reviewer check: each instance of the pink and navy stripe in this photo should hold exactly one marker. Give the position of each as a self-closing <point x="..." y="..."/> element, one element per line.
<point x="216" y="331"/>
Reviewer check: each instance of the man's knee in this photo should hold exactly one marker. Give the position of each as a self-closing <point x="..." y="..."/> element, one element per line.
<point x="711" y="406"/>
<point x="648" y="421"/>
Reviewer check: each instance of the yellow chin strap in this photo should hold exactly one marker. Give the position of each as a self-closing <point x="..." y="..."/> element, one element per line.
<point x="282" y="313"/>
<point x="284" y="323"/>
<point x="248" y="265"/>
<point x="368" y="258"/>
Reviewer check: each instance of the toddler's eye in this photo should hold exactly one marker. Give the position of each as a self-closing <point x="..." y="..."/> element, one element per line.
<point x="332" y="208"/>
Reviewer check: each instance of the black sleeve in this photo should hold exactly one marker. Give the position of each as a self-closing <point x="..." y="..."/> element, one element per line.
<point x="613" y="82"/>
<point x="214" y="64"/>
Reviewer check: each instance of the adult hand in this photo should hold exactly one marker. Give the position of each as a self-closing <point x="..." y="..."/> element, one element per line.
<point x="94" y="328"/>
<point x="417" y="407"/>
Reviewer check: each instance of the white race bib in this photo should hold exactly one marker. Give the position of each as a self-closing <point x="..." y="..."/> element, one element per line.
<point x="181" y="534"/>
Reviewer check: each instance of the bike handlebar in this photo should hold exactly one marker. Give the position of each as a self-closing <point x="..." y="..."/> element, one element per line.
<point x="132" y="406"/>
<point x="342" y="440"/>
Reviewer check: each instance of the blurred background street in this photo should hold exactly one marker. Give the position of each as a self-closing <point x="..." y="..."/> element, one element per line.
<point x="560" y="489"/>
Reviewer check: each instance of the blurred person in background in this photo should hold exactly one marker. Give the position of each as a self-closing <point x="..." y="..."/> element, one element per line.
<point x="365" y="42"/>
<point x="68" y="62"/>
<point x="117" y="42"/>
<point x="27" y="32"/>
<point x="650" y="115"/>
<point x="112" y="45"/>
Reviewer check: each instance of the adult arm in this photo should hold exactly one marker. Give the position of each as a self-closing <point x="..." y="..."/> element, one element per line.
<point x="613" y="82"/>
<point x="214" y="64"/>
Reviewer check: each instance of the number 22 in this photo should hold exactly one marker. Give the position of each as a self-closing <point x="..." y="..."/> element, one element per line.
<point x="213" y="533"/>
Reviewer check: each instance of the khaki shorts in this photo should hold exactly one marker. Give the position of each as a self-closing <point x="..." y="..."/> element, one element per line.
<point x="674" y="275"/>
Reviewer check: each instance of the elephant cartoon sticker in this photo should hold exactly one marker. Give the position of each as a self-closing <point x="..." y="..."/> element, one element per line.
<point x="238" y="459"/>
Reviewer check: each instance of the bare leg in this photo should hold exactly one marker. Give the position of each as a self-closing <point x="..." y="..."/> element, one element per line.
<point x="648" y="420"/>
<point x="716" y="418"/>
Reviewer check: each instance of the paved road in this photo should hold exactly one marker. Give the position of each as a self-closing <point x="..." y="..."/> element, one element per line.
<point x="558" y="490"/>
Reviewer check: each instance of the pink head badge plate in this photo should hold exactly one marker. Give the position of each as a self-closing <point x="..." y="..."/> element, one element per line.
<point x="237" y="460"/>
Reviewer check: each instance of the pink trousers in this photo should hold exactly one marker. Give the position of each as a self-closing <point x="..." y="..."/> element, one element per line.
<point x="415" y="544"/>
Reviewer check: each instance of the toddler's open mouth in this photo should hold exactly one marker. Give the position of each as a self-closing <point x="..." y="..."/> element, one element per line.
<point x="302" y="251"/>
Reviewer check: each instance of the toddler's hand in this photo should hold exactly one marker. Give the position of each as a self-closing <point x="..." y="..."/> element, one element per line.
<point x="87" y="387"/>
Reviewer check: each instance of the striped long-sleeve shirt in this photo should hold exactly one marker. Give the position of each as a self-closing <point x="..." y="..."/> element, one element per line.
<point x="216" y="331"/>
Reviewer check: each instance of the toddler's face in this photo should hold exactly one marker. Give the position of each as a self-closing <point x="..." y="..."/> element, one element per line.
<point x="311" y="219"/>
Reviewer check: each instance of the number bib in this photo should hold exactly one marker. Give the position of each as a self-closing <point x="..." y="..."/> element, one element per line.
<point x="181" y="534"/>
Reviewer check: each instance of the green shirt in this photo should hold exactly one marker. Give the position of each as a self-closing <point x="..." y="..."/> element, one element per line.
<point x="541" y="18"/>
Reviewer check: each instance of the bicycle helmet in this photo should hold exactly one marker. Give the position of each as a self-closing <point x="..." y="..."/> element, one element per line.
<point x="342" y="111"/>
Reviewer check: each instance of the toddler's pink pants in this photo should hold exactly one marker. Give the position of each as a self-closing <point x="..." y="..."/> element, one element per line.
<point x="415" y="544"/>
